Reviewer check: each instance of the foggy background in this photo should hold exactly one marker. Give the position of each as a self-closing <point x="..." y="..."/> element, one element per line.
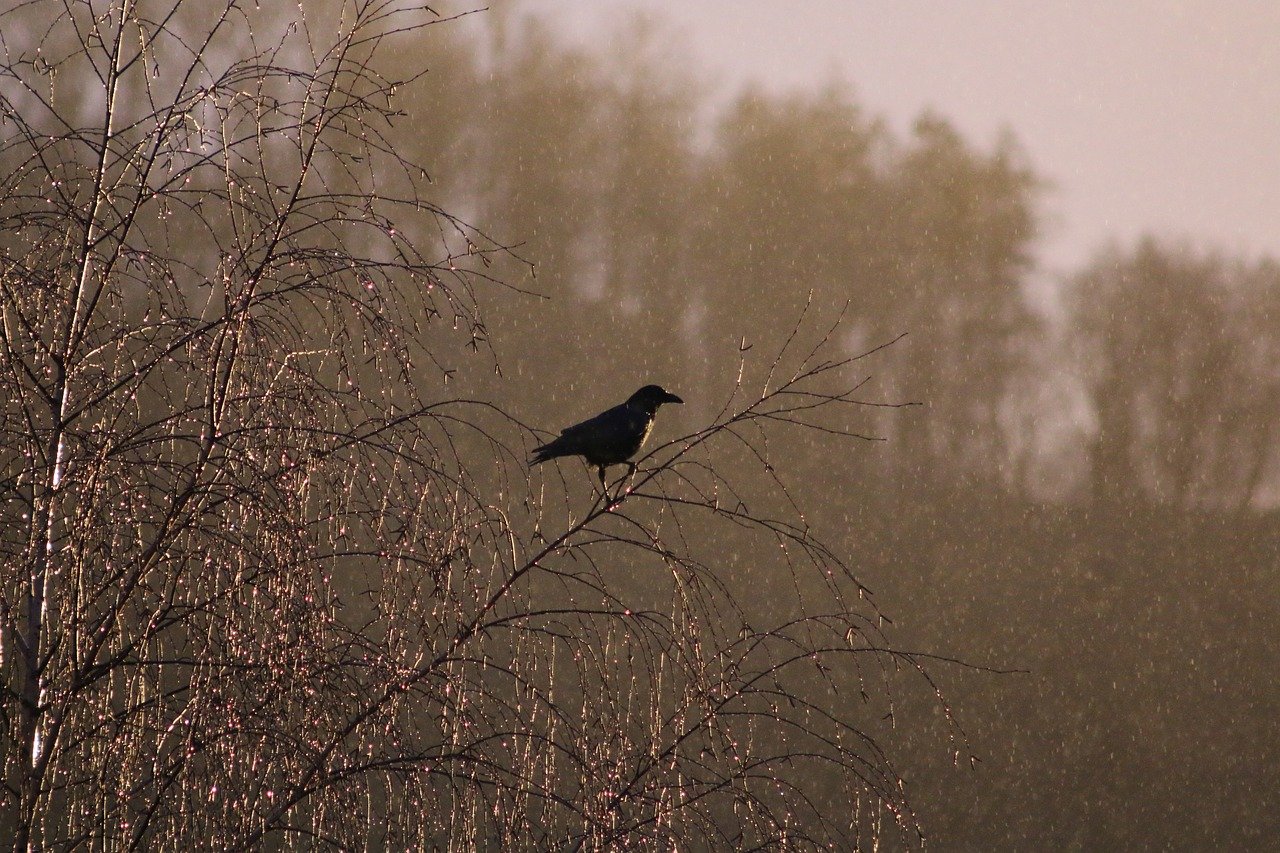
<point x="1044" y="236"/>
<point x="1144" y="116"/>
<point x="1070" y="209"/>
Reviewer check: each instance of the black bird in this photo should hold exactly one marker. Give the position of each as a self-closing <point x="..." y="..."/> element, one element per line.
<point x="611" y="437"/>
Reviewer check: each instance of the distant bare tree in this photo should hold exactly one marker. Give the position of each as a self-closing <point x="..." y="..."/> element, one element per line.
<point x="1179" y="357"/>
<point x="265" y="582"/>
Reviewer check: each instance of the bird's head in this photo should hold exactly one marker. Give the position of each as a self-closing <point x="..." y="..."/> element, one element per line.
<point x="650" y="397"/>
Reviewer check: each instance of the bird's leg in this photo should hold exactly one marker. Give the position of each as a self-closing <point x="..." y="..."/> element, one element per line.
<point x="609" y="500"/>
<point x="631" y="474"/>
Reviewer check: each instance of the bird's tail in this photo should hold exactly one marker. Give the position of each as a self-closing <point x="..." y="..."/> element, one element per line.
<point x="542" y="454"/>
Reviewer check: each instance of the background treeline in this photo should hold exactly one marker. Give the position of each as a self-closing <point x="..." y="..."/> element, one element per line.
<point x="662" y="244"/>
<point x="1085" y="490"/>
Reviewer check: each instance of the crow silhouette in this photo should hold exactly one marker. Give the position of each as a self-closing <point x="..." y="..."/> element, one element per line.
<point x="611" y="437"/>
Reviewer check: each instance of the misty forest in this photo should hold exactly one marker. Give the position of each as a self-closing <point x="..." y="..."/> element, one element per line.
<point x="930" y="555"/>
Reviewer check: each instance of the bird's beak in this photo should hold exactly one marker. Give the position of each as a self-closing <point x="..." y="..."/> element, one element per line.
<point x="672" y="398"/>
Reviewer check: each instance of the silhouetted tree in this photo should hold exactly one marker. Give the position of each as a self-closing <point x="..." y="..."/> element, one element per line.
<point x="1180" y="364"/>
<point x="792" y="202"/>
<point x="963" y="226"/>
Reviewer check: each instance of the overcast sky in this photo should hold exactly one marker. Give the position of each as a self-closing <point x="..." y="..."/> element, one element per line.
<point x="1147" y="115"/>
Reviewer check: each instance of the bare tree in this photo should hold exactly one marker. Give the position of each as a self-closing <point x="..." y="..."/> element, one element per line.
<point x="1179" y="358"/>
<point x="265" y="580"/>
<point x="200" y="277"/>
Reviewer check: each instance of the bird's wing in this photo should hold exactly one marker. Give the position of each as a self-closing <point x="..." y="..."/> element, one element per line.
<point x="609" y="438"/>
<point x="609" y="424"/>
